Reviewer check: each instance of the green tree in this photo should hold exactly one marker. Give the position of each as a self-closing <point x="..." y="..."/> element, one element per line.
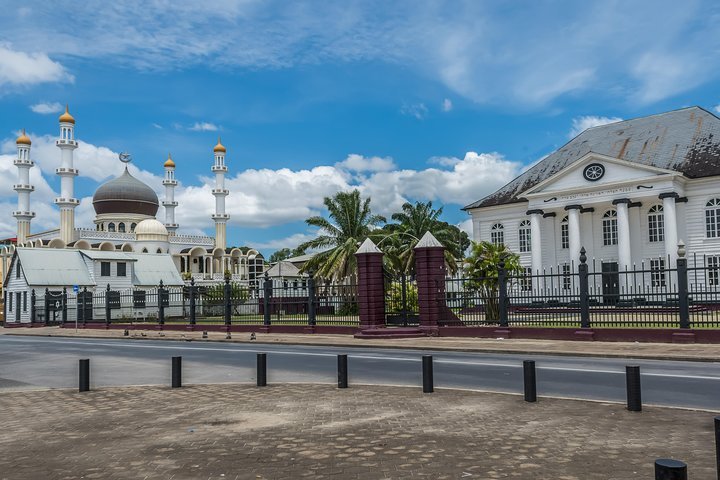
<point x="280" y="255"/>
<point x="350" y="222"/>
<point x="482" y="271"/>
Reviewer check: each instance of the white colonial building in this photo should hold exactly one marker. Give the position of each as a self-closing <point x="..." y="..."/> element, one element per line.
<point x="125" y="219"/>
<point x="628" y="192"/>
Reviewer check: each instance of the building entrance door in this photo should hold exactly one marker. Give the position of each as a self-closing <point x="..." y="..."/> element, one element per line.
<point x="610" y="283"/>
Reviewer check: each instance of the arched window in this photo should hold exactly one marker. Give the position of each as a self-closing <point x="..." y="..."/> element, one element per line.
<point x="656" y="224"/>
<point x="111" y="227"/>
<point x="564" y="233"/>
<point x="121" y="227"/>
<point x="132" y="227"/>
<point x="159" y="250"/>
<point x="609" y="227"/>
<point x="497" y="236"/>
<point x="144" y="250"/>
<point x="712" y="218"/>
<point x="524" y="234"/>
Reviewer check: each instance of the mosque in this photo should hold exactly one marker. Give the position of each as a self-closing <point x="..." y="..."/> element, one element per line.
<point x="126" y="217"/>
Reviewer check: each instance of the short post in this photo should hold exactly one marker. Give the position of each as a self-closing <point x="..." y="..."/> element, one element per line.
<point x="530" y="382"/>
<point x="33" y="308"/>
<point x="634" y="398"/>
<point x="502" y="294"/>
<point x="192" y="301"/>
<point x="47" y="305"/>
<point x="64" y="305"/>
<point x="227" y="301"/>
<point x="427" y="370"/>
<point x="342" y="371"/>
<point x="668" y="469"/>
<point x="262" y="369"/>
<point x="311" y="299"/>
<point x="107" y="305"/>
<point x="84" y="384"/>
<point x="717" y="445"/>
<point x="682" y="283"/>
<point x="161" y="304"/>
<point x="584" y="290"/>
<point x="267" y="293"/>
<point x="176" y="372"/>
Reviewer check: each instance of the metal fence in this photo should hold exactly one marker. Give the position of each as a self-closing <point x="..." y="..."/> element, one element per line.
<point x="590" y="295"/>
<point x="401" y="301"/>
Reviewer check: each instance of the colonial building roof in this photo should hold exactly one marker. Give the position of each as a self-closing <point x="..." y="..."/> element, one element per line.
<point x="685" y="140"/>
<point x="125" y="194"/>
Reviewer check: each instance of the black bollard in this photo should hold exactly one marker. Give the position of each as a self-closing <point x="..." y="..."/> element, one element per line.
<point x="342" y="371"/>
<point x="427" y="368"/>
<point x="667" y="469"/>
<point x="717" y="445"/>
<point x="84" y="384"/>
<point x="529" y="380"/>
<point x="261" y="369"/>
<point x="176" y="372"/>
<point x="634" y="398"/>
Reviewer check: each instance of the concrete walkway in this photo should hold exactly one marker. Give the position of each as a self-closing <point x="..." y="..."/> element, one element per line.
<point x="662" y="351"/>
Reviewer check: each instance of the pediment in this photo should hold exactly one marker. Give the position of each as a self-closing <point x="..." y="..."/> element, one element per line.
<point x="597" y="171"/>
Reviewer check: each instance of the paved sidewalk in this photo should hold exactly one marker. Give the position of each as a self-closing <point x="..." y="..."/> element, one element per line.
<point x="319" y="432"/>
<point x="662" y="351"/>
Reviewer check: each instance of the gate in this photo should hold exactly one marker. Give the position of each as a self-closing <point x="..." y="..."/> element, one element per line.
<point x="401" y="301"/>
<point x="84" y="306"/>
<point x="54" y="304"/>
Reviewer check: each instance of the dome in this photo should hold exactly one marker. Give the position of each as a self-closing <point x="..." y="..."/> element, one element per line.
<point x="23" y="139"/>
<point x="151" y="227"/>
<point x="66" y="117"/>
<point x="125" y="194"/>
<point x="219" y="148"/>
<point x="169" y="163"/>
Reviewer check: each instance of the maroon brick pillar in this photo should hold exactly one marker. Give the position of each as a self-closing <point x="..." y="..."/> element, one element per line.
<point x="371" y="286"/>
<point x="430" y="273"/>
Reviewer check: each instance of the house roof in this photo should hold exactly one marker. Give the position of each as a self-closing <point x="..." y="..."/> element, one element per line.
<point x="107" y="255"/>
<point x="284" y="269"/>
<point x="149" y="269"/>
<point x="51" y="266"/>
<point x="685" y="140"/>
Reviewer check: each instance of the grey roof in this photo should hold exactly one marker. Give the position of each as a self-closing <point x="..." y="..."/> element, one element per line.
<point x="105" y="255"/>
<point x="284" y="269"/>
<point x="685" y="140"/>
<point x="301" y="258"/>
<point x="52" y="266"/>
<point x="149" y="269"/>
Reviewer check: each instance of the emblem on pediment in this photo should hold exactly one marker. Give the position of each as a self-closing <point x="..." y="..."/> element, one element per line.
<point x="594" y="172"/>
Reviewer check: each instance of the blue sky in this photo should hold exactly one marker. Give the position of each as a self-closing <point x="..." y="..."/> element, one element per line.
<point x="406" y="100"/>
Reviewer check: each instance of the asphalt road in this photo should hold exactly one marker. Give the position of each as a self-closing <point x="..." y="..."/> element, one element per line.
<point x="31" y="362"/>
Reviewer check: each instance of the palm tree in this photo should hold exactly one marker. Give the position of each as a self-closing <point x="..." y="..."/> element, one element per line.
<point x="349" y="224"/>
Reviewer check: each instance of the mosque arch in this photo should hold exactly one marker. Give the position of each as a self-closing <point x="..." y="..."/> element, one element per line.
<point x="107" y="247"/>
<point x="82" y="245"/>
<point x="56" y="243"/>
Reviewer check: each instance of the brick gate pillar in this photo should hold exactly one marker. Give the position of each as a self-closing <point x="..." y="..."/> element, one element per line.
<point x="430" y="273"/>
<point x="371" y="286"/>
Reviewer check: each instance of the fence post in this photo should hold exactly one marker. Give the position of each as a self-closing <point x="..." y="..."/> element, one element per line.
<point x="267" y="293"/>
<point x="683" y="295"/>
<point x="33" y="308"/>
<point x="311" y="299"/>
<point x="427" y="371"/>
<point x="161" y="304"/>
<point x="64" y="306"/>
<point x="634" y="397"/>
<point x="668" y="469"/>
<point x="584" y="290"/>
<point x="84" y="380"/>
<point x="261" y="369"/>
<point x="430" y="273"/>
<point x="371" y="286"/>
<point x="502" y="294"/>
<point x="107" y="305"/>
<point x="192" y="301"/>
<point x="529" y="380"/>
<point x="47" y="304"/>
<point x="227" y="302"/>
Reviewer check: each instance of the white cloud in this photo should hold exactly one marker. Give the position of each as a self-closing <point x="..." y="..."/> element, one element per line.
<point x="580" y="124"/>
<point x="447" y="105"/>
<point x="203" y="127"/>
<point x="359" y="163"/>
<point x="417" y="110"/>
<point x="291" y="241"/>
<point x="157" y="125"/>
<point x="46" y="108"/>
<point x="20" y="68"/>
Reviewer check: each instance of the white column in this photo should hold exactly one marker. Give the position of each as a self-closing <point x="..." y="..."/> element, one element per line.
<point x="670" y="224"/>
<point x="536" y="240"/>
<point x="574" y="233"/>
<point x="623" y="227"/>
<point x="67" y="173"/>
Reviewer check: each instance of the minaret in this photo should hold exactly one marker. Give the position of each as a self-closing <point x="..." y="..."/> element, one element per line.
<point x="67" y="201"/>
<point x="169" y="203"/>
<point x="220" y="192"/>
<point x="23" y="188"/>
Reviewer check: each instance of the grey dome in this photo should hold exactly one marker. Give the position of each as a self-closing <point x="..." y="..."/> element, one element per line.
<point x="125" y="194"/>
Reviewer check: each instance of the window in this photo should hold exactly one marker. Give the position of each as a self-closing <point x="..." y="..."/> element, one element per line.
<point x="121" y="269"/>
<point x="111" y="227"/>
<point x="10" y="301"/>
<point x="526" y="279"/>
<point x="657" y="272"/>
<point x="609" y="227"/>
<point x="104" y="269"/>
<point x="121" y="227"/>
<point x="132" y="227"/>
<point x="524" y="234"/>
<point x="566" y="276"/>
<point x="17" y="270"/>
<point x="713" y="270"/>
<point x="159" y="250"/>
<point x="656" y="224"/>
<point x="496" y="234"/>
<point x="712" y="218"/>
<point x="564" y="234"/>
<point x="25" y="301"/>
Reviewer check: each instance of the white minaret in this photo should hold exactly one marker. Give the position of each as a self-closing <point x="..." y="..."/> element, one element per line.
<point x="169" y="203"/>
<point x="23" y="188"/>
<point x="67" y="201"/>
<point x="220" y="192"/>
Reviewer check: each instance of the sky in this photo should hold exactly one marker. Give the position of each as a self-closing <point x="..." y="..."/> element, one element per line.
<point x="408" y="100"/>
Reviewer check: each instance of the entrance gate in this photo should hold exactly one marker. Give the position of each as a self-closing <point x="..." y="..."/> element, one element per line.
<point x="401" y="301"/>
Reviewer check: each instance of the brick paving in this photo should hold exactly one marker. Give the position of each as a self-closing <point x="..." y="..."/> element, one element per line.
<point x="301" y="431"/>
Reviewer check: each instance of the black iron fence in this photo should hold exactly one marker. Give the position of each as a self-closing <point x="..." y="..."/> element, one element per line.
<point x="401" y="301"/>
<point x="590" y="295"/>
